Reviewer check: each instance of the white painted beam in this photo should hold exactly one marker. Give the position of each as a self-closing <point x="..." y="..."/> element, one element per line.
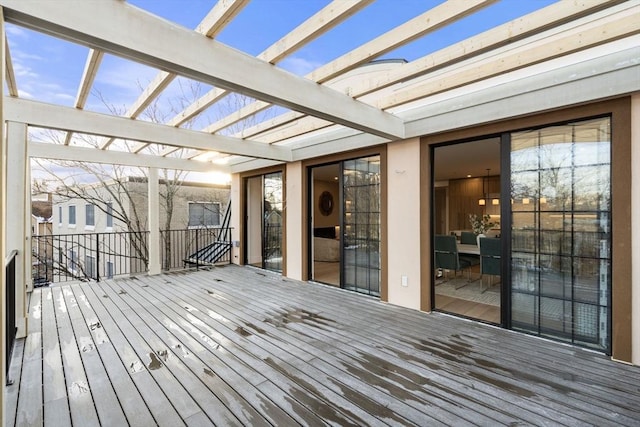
<point x="581" y="35"/>
<point x="526" y="26"/>
<point x="88" y="76"/>
<point x="162" y="45"/>
<point x="429" y="21"/>
<point x="92" y="155"/>
<point x="16" y="191"/>
<point x="327" y="18"/>
<point x="432" y="20"/>
<point x="94" y="58"/>
<point x="153" y="216"/>
<point x="600" y="31"/>
<point x="70" y="119"/>
<point x="10" y="75"/>
<point x="219" y="16"/>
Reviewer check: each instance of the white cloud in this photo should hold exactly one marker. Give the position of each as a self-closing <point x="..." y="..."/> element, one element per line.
<point x="24" y="94"/>
<point x="21" y="70"/>
<point x="299" y="66"/>
<point x="16" y="31"/>
<point x="64" y="97"/>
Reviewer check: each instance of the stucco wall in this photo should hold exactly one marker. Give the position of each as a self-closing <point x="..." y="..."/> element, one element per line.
<point x="293" y="206"/>
<point x="404" y="222"/>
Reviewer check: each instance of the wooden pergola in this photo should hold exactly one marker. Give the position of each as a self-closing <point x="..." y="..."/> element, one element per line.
<point x="399" y="101"/>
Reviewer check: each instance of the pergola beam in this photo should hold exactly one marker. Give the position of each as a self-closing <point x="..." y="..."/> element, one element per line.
<point x="599" y="31"/>
<point x="91" y="155"/>
<point x="10" y="75"/>
<point x="518" y="29"/>
<point x="327" y="18"/>
<point x="50" y="116"/>
<point x="219" y="16"/>
<point x="160" y="44"/>
<point x="425" y="23"/>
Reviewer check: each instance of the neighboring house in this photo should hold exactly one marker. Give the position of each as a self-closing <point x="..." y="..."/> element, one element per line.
<point x="195" y="205"/>
<point x="92" y="239"/>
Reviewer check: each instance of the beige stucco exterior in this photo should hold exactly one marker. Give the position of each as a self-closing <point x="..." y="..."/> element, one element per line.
<point x="293" y="217"/>
<point x="403" y="222"/>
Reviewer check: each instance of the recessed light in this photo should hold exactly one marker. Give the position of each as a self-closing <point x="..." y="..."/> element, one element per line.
<point x="469" y="176"/>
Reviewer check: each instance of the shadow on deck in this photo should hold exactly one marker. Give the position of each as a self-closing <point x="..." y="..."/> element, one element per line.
<point x="239" y="346"/>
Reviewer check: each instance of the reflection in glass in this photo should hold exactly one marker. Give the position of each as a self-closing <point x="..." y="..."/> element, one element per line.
<point x="561" y="267"/>
<point x="361" y="219"/>
<point x="272" y="222"/>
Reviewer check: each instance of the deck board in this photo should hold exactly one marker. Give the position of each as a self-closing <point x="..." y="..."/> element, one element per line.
<point x="240" y="346"/>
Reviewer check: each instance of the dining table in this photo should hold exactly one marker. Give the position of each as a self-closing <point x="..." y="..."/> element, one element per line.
<point x="468" y="249"/>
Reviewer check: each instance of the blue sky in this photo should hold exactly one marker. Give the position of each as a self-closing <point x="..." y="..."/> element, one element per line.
<point x="49" y="70"/>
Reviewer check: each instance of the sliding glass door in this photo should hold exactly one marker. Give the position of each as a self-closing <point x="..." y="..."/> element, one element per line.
<point x="561" y="232"/>
<point x="361" y="224"/>
<point x="264" y="221"/>
<point x="554" y="216"/>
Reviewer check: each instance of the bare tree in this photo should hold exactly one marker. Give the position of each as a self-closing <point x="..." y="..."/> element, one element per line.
<point x="108" y="187"/>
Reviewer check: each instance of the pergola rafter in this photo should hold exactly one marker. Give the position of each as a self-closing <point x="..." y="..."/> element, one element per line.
<point x="9" y="72"/>
<point x="429" y="21"/>
<point x="327" y="18"/>
<point x="363" y="105"/>
<point x="527" y="26"/>
<point x="215" y="21"/>
<point x="602" y="27"/>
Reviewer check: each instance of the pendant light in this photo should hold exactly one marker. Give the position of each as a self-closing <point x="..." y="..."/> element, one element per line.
<point x="483" y="201"/>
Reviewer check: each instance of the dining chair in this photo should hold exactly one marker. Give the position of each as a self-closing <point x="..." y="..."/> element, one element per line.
<point x="468" y="238"/>
<point x="490" y="249"/>
<point x="447" y="257"/>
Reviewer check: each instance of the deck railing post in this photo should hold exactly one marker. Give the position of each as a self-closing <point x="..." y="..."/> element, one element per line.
<point x="97" y="272"/>
<point x="197" y="249"/>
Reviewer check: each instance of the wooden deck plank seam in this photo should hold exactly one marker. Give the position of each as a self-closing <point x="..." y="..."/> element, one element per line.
<point x="155" y="342"/>
<point x="231" y="335"/>
<point x="175" y="393"/>
<point x="284" y="331"/>
<point x="163" y="412"/>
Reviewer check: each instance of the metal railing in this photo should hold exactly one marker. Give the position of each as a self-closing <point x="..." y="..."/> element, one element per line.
<point x="89" y="256"/>
<point x="195" y="247"/>
<point x="10" y="308"/>
<point x="96" y="256"/>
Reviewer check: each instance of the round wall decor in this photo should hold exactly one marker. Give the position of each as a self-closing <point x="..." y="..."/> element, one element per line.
<point x="325" y="203"/>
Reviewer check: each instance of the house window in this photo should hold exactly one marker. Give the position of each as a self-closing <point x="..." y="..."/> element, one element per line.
<point x="60" y="215"/>
<point x="90" y="215"/>
<point x="89" y="266"/>
<point x="109" y="270"/>
<point x="109" y="215"/>
<point x="73" y="260"/>
<point x="72" y="215"/>
<point x="204" y="214"/>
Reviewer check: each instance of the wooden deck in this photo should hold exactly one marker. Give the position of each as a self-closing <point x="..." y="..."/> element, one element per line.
<point x="239" y="346"/>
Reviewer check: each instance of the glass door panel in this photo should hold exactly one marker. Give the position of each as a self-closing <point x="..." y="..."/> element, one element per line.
<point x="272" y="222"/>
<point x="361" y="225"/>
<point x="560" y="232"/>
